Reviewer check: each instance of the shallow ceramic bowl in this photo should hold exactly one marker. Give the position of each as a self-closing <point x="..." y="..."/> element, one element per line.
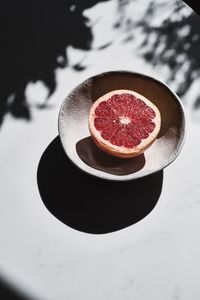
<point x="81" y="150"/>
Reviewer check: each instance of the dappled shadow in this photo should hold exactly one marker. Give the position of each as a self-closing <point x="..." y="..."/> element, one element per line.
<point x="34" y="36"/>
<point x="169" y="37"/>
<point x="175" y="43"/>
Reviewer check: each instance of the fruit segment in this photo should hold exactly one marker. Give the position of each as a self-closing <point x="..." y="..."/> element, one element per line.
<point x="124" y="123"/>
<point x="124" y="120"/>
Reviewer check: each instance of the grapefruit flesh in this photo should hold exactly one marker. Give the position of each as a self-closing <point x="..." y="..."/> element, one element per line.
<point x="124" y="123"/>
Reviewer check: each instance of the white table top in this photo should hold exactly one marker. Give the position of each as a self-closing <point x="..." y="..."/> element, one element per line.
<point x="156" y="258"/>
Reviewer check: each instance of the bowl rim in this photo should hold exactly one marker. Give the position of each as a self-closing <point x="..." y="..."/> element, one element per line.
<point x="123" y="177"/>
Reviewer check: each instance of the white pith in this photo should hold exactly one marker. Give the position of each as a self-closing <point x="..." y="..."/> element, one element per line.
<point x="124" y="120"/>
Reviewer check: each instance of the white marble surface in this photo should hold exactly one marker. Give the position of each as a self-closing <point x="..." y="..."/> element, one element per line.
<point x="156" y="258"/>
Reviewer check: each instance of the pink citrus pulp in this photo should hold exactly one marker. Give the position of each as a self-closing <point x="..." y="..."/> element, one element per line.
<point x="123" y="123"/>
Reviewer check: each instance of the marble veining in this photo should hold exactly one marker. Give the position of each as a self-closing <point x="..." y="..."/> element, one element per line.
<point x="157" y="258"/>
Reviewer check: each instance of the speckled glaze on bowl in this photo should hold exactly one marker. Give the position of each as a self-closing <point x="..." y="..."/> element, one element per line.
<point x="81" y="150"/>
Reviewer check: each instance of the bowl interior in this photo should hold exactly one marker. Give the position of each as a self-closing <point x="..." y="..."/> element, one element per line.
<point x="78" y="145"/>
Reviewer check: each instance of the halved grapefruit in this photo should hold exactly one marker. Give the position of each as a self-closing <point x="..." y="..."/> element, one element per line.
<point x="124" y="123"/>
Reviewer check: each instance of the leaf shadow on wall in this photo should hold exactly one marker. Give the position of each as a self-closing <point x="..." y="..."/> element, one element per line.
<point x="171" y="44"/>
<point x="34" y="36"/>
<point x="90" y="204"/>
